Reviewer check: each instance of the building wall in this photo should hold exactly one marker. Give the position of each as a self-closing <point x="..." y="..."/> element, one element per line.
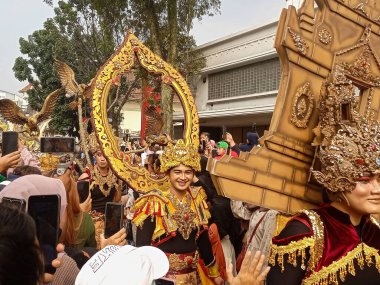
<point x="238" y="86"/>
<point x="17" y="98"/>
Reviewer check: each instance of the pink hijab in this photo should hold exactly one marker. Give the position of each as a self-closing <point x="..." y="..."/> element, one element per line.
<point x="29" y="185"/>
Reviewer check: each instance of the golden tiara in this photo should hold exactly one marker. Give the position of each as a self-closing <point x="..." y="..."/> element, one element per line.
<point x="180" y="153"/>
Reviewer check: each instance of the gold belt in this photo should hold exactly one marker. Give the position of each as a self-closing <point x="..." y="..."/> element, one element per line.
<point x="183" y="262"/>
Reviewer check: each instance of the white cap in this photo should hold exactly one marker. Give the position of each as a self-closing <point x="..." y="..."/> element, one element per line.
<point x="123" y="265"/>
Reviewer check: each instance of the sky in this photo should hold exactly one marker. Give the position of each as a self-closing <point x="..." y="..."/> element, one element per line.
<point x="20" y="18"/>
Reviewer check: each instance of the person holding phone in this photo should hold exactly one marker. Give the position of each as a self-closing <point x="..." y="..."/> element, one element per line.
<point x="38" y="185"/>
<point x="20" y="255"/>
<point x="10" y="160"/>
<point x="176" y="220"/>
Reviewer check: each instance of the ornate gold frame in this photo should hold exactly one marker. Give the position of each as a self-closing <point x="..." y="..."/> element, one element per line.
<point x="121" y="61"/>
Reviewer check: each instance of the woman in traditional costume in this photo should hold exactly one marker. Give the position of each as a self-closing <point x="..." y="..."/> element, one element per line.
<point x="104" y="186"/>
<point x="338" y="243"/>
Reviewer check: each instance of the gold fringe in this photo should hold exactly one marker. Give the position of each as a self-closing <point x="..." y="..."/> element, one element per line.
<point x="293" y="249"/>
<point x="319" y="237"/>
<point x="345" y="265"/>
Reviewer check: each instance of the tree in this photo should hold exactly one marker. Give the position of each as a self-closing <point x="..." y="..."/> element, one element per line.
<point x="39" y="47"/>
<point x="165" y="27"/>
<point x="76" y="35"/>
<point x="84" y="33"/>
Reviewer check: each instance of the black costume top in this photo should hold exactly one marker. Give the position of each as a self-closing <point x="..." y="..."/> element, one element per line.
<point x="323" y="247"/>
<point x="174" y="227"/>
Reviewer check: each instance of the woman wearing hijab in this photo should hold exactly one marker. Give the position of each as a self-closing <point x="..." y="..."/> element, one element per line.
<point x="26" y="186"/>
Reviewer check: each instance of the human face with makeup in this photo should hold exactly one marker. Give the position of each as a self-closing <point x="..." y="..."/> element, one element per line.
<point x="363" y="200"/>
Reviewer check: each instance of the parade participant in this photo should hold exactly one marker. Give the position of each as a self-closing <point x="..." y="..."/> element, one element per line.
<point x="338" y="243"/>
<point x="176" y="220"/>
<point x="104" y="185"/>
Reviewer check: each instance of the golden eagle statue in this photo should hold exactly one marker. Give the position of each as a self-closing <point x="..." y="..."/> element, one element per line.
<point x="13" y="113"/>
<point x="67" y="77"/>
<point x="80" y="92"/>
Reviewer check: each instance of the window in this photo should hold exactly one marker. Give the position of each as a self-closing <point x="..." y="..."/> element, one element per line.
<point x="250" y="79"/>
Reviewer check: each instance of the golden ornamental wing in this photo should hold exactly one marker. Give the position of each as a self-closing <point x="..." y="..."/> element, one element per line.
<point x="89" y="89"/>
<point x="49" y="106"/>
<point x="12" y="113"/>
<point x="152" y="204"/>
<point x="67" y="77"/>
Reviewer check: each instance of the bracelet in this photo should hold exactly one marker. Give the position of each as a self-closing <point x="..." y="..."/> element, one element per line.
<point x="213" y="270"/>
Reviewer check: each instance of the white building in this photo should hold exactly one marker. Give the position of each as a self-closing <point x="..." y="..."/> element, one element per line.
<point x="19" y="99"/>
<point x="238" y="86"/>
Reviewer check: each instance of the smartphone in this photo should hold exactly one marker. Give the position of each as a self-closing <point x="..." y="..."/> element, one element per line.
<point x="164" y="281"/>
<point x="203" y="144"/>
<point x="83" y="188"/>
<point x="57" y="144"/>
<point x="113" y="218"/>
<point x="15" y="203"/>
<point x="9" y="142"/>
<point x="45" y="210"/>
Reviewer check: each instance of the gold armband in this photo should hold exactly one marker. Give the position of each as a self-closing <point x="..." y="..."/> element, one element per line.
<point x="213" y="270"/>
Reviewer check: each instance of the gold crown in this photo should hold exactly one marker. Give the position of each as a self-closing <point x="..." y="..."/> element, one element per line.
<point x="180" y="153"/>
<point x="349" y="143"/>
<point x="93" y="143"/>
<point x="49" y="161"/>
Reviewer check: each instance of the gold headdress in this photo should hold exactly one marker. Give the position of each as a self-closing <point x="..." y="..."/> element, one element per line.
<point x="349" y="142"/>
<point x="180" y="153"/>
<point x="93" y="143"/>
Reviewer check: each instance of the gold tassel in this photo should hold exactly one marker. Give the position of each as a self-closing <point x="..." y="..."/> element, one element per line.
<point x="363" y="254"/>
<point x="293" y="249"/>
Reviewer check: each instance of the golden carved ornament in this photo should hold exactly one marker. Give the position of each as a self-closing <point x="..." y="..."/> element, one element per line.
<point x="350" y="142"/>
<point x="49" y="161"/>
<point x="179" y="153"/>
<point x="122" y="61"/>
<point x="303" y="106"/>
<point x="299" y="42"/>
<point x="3" y="126"/>
<point x="325" y="36"/>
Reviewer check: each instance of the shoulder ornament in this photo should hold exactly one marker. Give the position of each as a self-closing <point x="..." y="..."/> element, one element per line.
<point x="295" y="249"/>
<point x="150" y="205"/>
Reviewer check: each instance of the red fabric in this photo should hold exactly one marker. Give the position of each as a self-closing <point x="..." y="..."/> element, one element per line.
<point x="340" y="235"/>
<point x="217" y="249"/>
<point x="232" y="153"/>
<point x="148" y="95"/>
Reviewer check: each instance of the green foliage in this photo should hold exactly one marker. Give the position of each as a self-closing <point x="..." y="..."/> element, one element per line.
<point x="84" y="33"/>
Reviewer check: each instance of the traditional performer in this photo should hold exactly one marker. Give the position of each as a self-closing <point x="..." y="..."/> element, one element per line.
<point x="338" y="243"/>
<point x="104" y="186"/>
<point x="176" y="220"/>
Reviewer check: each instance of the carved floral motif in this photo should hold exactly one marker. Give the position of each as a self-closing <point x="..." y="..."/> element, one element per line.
<point x="299" y="42"/>
<point x="325" y="36"/>
<point x="361" y="68"/>
<point x="303" y="105"/>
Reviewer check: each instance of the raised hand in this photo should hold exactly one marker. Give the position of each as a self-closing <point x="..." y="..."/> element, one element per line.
<point x="251" y="272"/>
